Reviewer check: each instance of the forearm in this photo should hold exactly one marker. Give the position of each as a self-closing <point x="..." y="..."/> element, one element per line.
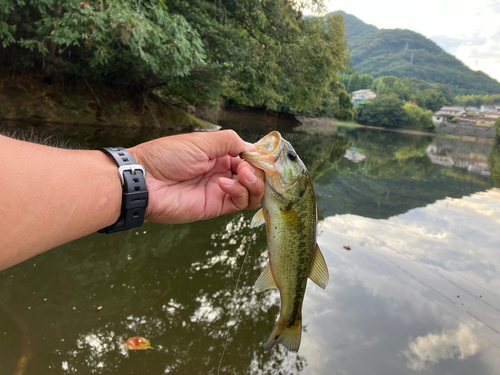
<point x="50" y="196"/>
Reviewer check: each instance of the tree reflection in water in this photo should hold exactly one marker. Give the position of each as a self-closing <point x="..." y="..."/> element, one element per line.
<point x="150" y="284"/>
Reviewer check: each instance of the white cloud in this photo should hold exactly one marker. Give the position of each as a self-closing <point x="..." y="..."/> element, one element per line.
<point x="426" y="351"/>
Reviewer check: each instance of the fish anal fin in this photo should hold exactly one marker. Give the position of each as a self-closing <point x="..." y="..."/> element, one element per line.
<point x="265" y="280"/>
<point x="319" y="271"/>
<point x="289" y="336"/>
<point x="258" y="219"/>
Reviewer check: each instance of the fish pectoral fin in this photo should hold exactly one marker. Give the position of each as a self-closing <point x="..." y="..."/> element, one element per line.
<point x="265" y="280"/>
<point x="258" y="219"/>
<point x="319" y="271"/>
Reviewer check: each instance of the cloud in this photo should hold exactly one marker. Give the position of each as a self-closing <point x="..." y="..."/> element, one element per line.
<point x="493" y="52"/>
<point x="426" y="351"/>
<point x="495" y="6"/>
<point x="451" y="44"/>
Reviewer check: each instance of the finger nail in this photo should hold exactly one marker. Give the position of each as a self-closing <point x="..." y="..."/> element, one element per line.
<point x="251" y="178"/>
<point x="250" y="146"/>
<point x="227" y="181"/>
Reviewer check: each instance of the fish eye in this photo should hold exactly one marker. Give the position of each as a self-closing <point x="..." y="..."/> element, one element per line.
<point x="291" y="155"/>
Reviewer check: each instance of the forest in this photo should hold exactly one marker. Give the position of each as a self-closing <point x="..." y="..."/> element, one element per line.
<point x="245" y="52"/>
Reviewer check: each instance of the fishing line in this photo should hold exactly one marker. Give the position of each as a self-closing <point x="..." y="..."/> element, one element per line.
<point x="235" y="291"/>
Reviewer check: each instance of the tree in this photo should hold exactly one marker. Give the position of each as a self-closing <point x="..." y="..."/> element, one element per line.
<point x="431" y="99"/>
<point x="359" y="81"/>
<point x="385" y="110"/>
<point x="136" y="43"/>
<point x="497" y="130"/>
<point x="419" y="118"/>
<point x="257" y="53"/>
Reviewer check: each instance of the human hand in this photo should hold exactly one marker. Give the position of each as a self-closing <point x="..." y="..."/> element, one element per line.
<point x="198" y="176"/>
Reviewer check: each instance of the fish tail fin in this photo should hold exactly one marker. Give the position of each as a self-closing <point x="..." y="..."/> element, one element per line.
<point x="287" y="335"/>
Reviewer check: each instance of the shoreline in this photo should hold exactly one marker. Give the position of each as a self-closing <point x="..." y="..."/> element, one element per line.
<point x="328" y="125"/>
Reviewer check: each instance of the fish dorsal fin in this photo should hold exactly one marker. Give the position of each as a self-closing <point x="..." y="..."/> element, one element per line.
<point x="319" y="271"/>
<point x="258" y="219"/>
<point x="265" y="280"/>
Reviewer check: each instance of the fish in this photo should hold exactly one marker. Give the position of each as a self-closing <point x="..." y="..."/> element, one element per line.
<point x="290" y="215"/>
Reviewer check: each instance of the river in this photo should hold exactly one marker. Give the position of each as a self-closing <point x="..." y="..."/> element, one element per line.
<point x="408" y="227"/>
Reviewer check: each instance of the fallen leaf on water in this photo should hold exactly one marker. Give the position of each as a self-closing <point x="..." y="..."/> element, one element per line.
<point x="137" y="343"/>
<point x="347" y="247"/>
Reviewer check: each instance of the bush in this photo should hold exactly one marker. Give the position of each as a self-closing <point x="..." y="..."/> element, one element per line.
<point x="419" y="118"/>
<point x="384" y="110"/>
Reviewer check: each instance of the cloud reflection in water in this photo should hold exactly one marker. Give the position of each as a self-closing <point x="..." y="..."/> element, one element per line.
<point x="416" y="291"/>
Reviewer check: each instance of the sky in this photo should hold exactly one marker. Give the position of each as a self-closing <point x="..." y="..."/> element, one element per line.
<point x="470" y="30"/>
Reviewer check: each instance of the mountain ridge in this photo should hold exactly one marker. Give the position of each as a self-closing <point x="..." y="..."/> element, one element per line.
<point x="405" y="53"/>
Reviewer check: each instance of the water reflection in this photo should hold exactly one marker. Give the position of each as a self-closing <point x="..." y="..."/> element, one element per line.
<point x="417" y="292"/>
<point x="423" y="274"/>
<point x="426" y="351"/>
<point x="471" y="156"/>
<point x="396" y="175"/>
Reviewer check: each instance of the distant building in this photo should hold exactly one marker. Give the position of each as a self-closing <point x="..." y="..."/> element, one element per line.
<point x="445" y="113"/>
<point x="361" y="95"/>
<point x="493" y="115"/>
<point x="465" y="120"/>
<point x="485" y="121"/>
<point x="487" y="108"/>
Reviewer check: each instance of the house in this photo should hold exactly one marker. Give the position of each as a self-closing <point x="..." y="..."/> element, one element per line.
<point x="361" y="95"/>
<point x="485" y="121"/>
<point x="472" y="109"/>
<point x="445" y="113"/>
<point x="464" y="120"/>
<point x="487" y="108"/>
<point x="493" y="115"/>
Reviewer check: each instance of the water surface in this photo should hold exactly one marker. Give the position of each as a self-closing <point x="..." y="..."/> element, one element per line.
<point x="418" y="291"/>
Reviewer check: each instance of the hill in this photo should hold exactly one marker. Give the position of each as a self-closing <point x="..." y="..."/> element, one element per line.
<point x="407" y="54"/>
<point x="353" y="25"/>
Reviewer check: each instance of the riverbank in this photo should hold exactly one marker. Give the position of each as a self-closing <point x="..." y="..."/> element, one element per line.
<point x="28" y="98"/>
<point x="329" y="126"/>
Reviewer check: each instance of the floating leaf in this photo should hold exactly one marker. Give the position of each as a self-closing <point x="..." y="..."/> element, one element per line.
<point x="137" y="343"/>
<point x="347" y="247"/>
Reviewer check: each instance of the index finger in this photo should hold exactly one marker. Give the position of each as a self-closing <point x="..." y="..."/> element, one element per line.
<point x="221" y="143"/>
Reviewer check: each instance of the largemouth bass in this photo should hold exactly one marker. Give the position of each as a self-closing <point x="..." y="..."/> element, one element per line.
<point x="289" y="212"/>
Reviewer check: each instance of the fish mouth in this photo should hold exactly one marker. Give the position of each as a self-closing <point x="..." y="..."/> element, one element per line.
<point x="267" y="151"/>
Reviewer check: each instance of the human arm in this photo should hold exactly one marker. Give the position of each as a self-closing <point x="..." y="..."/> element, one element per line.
<point x="50" y="196"/>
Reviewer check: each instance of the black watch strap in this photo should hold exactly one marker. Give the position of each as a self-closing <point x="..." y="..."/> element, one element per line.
<point x="135" y="194"/>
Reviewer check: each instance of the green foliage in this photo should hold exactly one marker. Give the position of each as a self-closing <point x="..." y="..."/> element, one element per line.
<point x="407" y="54"/>
<point x="402" y="87"/>
<point x="358" y="81"/>
<point x="428" y="95"/>
<point x="431" y="99"/>
<point x="494" y="161"/>
<point x="497" y="130"/>
<point x="335" y="103"/>
<point x="128" y="42"/>
<point x="257" y="53"/>
<point x="385" y="110"/>
<point x="353" y="25"/>
<point x="424" y="85"/>
<point x="477" y="100"/>
<point x="419" y="118"/>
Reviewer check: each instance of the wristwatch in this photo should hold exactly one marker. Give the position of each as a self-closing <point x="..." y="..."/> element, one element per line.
<point x="135" y="194"/>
